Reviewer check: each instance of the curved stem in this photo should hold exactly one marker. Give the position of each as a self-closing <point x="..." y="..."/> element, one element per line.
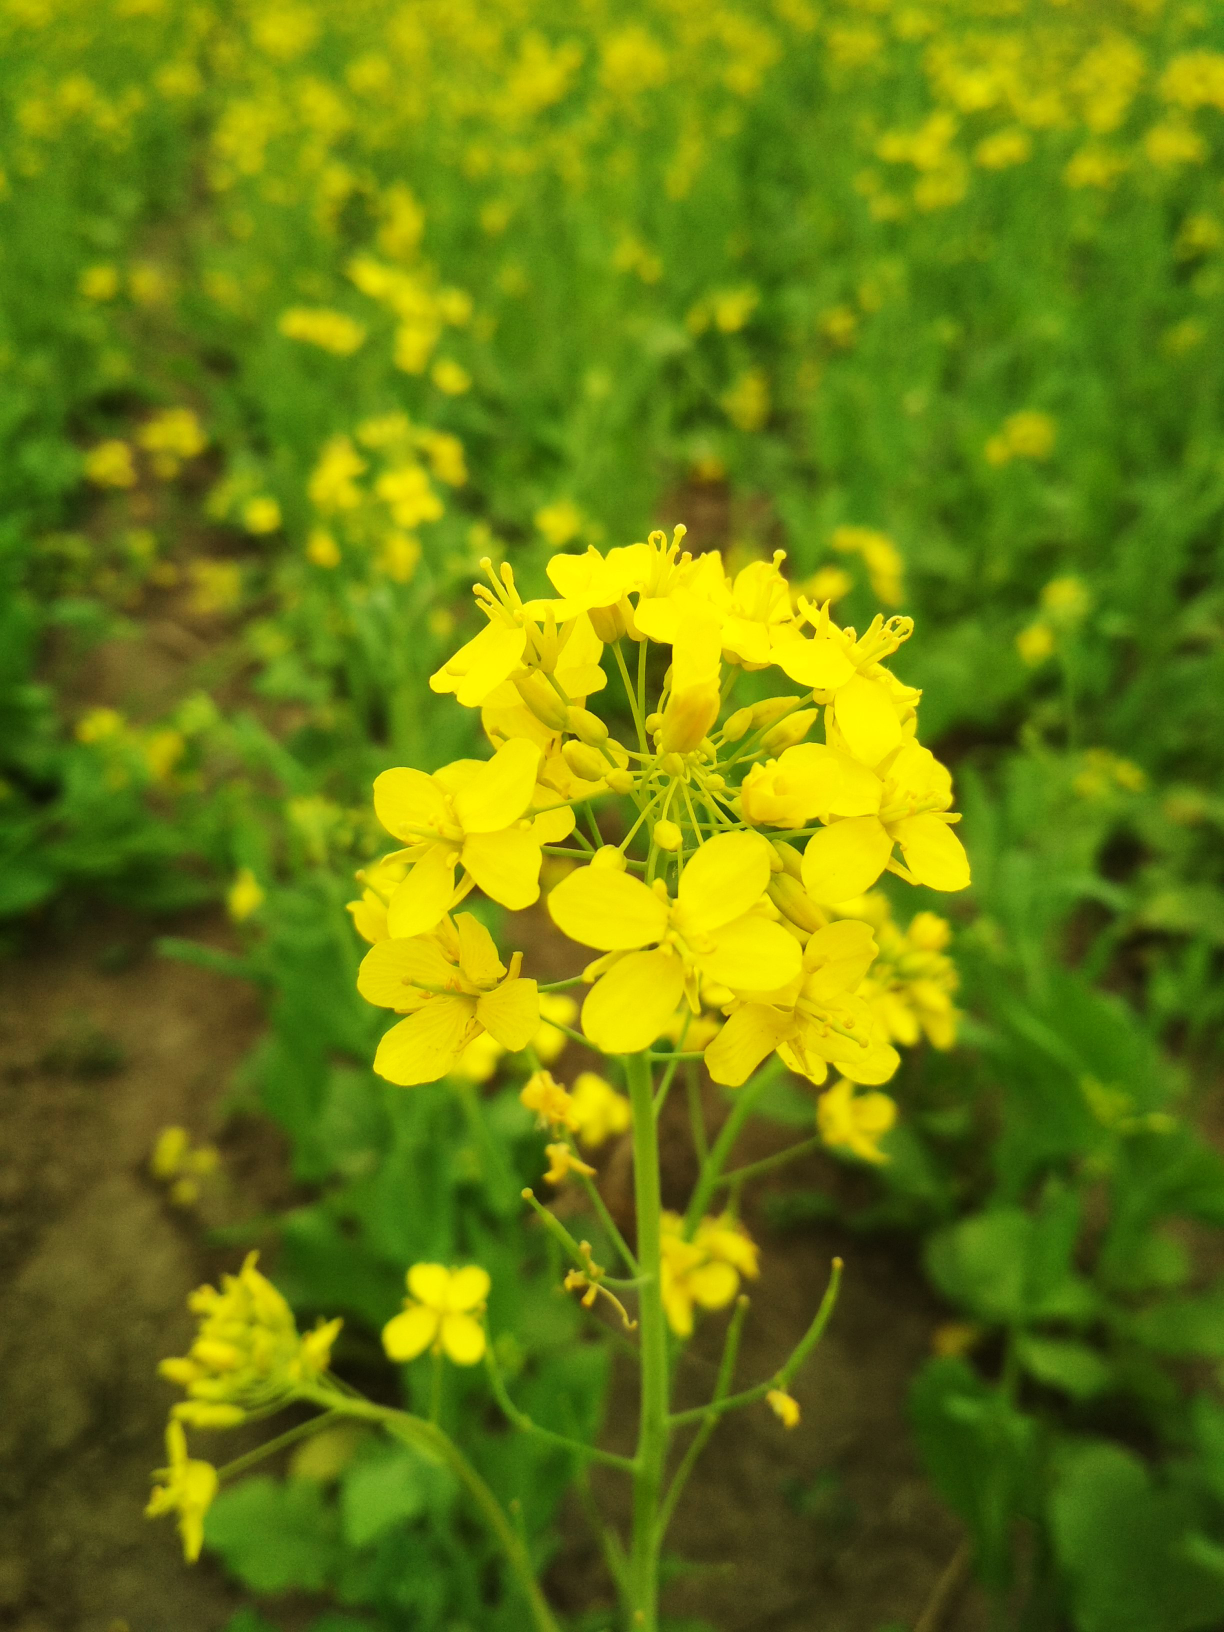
<point x="522" y="1421"/>
<point x="652" y="1420"/>
<point x="726" y="1375"/>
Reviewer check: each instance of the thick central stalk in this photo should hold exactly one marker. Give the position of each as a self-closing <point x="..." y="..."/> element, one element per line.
<point x="652" y="1426"/>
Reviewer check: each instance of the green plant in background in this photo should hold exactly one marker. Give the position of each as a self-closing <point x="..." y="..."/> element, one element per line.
<point x="705" y="926"/>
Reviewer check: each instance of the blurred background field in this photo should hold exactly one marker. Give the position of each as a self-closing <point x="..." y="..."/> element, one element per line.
<point x="305" y="309"/>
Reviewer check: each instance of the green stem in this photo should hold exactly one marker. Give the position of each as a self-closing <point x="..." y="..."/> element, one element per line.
<point x="711" y="1169"/>
<point x="652" y="1423"/>
<point x="527" y="1425"/>
<point x="726" y="1375"/>
<point x="754" y="1170"/>
<point x="425" y="1436"/>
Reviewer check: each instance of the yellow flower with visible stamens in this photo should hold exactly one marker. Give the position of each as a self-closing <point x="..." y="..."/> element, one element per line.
<point x="452" y="986"/>
<point x="188" y="1490"/>
<point x="443" y="1314"/>
<point x="711" y="930"/>
<point x="470" y="814"/>
<point x="867" y="702"/>
<point x="855" y="1122"/>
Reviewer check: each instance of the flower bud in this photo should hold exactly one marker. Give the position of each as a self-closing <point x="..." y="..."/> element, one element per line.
<point x="667" y="835"/>
<point x="688" y="716"/>
<point x="588" y="727"/>
<point x="737" y="724"/>
<point x="791" y="859"/>
<point x="207" y="1414"/>
<point x="609" y="622"/>
<point x="620" y="781"/>
<point x="793" y="902"/>
<point x="789" y="731"/>
<point x="771" y="709"/>
<point x="584" y="762"/>
<point x="653" y="721"/>
<point x="609" y="859"/>
<point x="543" y="701"/>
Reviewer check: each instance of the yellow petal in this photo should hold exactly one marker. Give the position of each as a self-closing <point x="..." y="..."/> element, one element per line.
<point x="845" y="859"/>
<point x="752" y="954"/>
<point x="480" y="667"/>
<point x="933" y="853"/>
<point x="501" y="790"/>
<point x="463" y="1339"/>
<point x="830" y="783"/>
<point x="723" y="880"/>
<point x="409" y="1334"/>
<point x="511" y="1013"/>
<point x="551" y="826"/>
<point x="477" y="951"/>
<point x="880" y="1063"/>
<point x="426" y="1045"/>
<point x="422" y="900"/>
<point x="612" y="911"/>
<point x="430" y="1284"/>
<point x="714" y="1285"/>
<point x="391" y="970"/>
<point x="407" y="801"/>
<point x="818" y="663"/>
<point x="749" y="1036"/>
<point x="505" y="865"/>
<point x="468" y="1287"/>
<point x="867" y="719"/>
<point x="630" y="1006"/>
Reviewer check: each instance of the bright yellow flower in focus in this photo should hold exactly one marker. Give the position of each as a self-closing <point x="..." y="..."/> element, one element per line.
<point x="443" y="1314"/>
<point x="597" y="1111"/>
<point x="705" y="1272"/>
<point x="109" y="464"/>
<point x="817" y="1019"/>
<point x="452" y="986"/>
<point x="869" y="705"/>
<point x="710" y="931"/>
<point x="187" y="1488"/>
<point x="470" y="814"/>
<point x="245" y="896"/>
<point x="784" y="1406"/>
<point x="855" y="1122"/>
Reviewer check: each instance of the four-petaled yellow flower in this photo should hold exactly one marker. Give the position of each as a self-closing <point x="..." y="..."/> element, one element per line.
<point x="855" y="1122"/>
<point x="468" y="814"/>
<point x="452" y="986"/>
<point x="443" y="1314"/>
<point x="711" y="931"/>
<point x="706" y="1271"/>
<point x="188" y="1489"/>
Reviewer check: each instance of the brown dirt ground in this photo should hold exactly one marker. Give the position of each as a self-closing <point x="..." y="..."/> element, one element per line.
<point x="102" y="1043"/>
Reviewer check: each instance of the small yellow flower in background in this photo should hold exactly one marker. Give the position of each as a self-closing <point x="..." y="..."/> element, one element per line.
<point x="954" y="1339"/>
<point x="1173" y="142"/>
<point x="442" y="1314"/>
<point x="597" y="1111"/>
<point x="479" y="1059"/>
<point x="452" y="986"/>
<point x="335" y="332"/>
<point x="409" y="495"/>
<point x="839" y="325"/>
<point x="187" y="1489"/>
<point x="399" y="557"/>
<point x="450" y="377"/>
<point x="162" y="751"/>
<point x="445" y="455"/>
<point x="1103" y="772"/>
<point x="1004" y="148"/>
<point x="1094" y="167"/>
<point x="322" y="549"/>
<point x="1183" y="337"/>
<point x="261" y="515"/>
<point x="911" y="984"/>
<point x="181" y="1165"/>
<point x="218" y="585"/>
<point x="562" y="1161"/>
<point x="705" y="1272"/>
<point x="1035" y="643"/>
<point x="855" y="1122"/>
<point x="746" y="402"/>
<point x="99" y="283"/>
<point x="1026" y="435"/>
<point x="826" y="584"/>
<point x="549" y="1100"/>
<point x="784" y="1406"/>
<point x="109" y="464"/>
<point x="731" y="308"/>
<point x="1066" y="601"/>
<point x="149" y="284"/>
<point x="100" y="724"/>
<point x="245" y="896"/>
<point x="884" y="562"/>
<point x="549" y="1042"/>
<point x="379" y="881"/>
<point x="171" y="437"/>
<point x="560" y="522"/>
<point x="333" y="482"/>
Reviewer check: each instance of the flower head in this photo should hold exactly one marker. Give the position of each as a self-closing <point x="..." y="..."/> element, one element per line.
<point x="452" y="986"/>
<point x="187" y="1488"/>
<point x="855" y="1122"/>
<point x="706" y="1271"/>
<point x="598" y="1112"/>
<point x="443" y="1314"/>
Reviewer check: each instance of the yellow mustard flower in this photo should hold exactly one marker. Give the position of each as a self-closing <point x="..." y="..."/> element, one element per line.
<point x="99" y="283"/>
<point x="171" y="437"/>
<point x="560" y="522"/>
<point x="816" y="1019"/>
<point x="450" y="377"/>
<point x="245" y="896"/>
<point x="869" y="706"/>
<point x="549" y="1100"/>
<point x="99" y="725"/>
<point x="217" y="585"/>
<point x="109" y="464"/>
<point x="1035" y="643"/>
<point x="187" y="1488"/>
<point x="380" y="881"/>
<point x="855" y="1122"/>
<point x="705" y="1272"/>
<point x="443" y="1314"/>
<point x="322" y="549"/>
<point x="562" y="1161"/>
<point x="330" y="331"/>
<point x="746" y="402"/>
<point x="911" y="984"/>
<point x="181" y="1165"/>
<point x="784" y="1406"/>
<point x="884" y="562"/>
<point x="1026" y="435"/>
<point x="597" y="1111"/>
<point x="261" y="515"/>
<point x="712" y="930"/>
<point x="470" y="813"/>
<point x="452" y="986"/>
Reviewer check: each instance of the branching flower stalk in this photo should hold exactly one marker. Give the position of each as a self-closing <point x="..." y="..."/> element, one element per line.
<point x="734" y="929"/>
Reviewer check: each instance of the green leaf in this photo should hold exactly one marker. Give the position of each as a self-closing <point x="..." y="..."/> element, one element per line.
<point x="982" y="1263"/>
<point x="1184" y="1326"/>
<point x="391" y="1485"/>
<point x="1066" y="1364"/>
<point x="274" y="1534"/>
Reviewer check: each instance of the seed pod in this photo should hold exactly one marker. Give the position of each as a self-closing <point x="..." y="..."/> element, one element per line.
<point x="667" y="835"/>
<point x="789" y="731"/>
